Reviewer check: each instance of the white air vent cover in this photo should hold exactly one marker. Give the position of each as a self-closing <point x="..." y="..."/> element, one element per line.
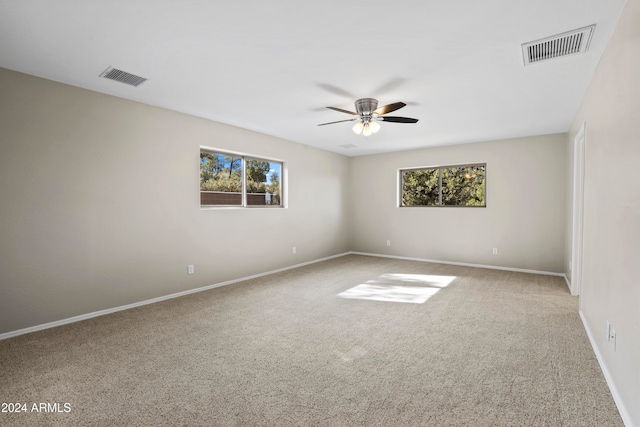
<point x="122" y="76"/>
<point x="349" y="146"/>
<point x="569" y="43"/>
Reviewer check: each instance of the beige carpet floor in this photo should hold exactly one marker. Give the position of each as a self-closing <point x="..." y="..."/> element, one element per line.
<point x="490" y="348"/>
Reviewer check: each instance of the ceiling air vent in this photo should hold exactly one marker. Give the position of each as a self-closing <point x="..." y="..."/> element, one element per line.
<point x="565" y="44"/>
<point x="122" y="77"/>
<point x="349" y="146"/>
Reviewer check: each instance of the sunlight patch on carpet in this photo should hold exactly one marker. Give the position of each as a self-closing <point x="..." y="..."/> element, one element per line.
<point x="422" y="279"/>
<point x="392" y="293"/>
<point x="350" y="355"/>
<point x="399" y="288"/>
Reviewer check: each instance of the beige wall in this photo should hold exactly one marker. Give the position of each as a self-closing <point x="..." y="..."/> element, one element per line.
<point x="611" y="279"/>
<point x="100" y="204"/>
<point x="524" y="217"/>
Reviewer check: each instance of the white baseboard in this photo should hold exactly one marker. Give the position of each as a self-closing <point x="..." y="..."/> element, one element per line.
<point x="464" y="264"/>
<point x="624" y="414"/>
<point x="154" y="300"/>
<point x="568" y="282"/>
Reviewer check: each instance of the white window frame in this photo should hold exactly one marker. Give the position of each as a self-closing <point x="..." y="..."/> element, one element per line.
<point x="244" y="157"/>
<point x="439" y="168"/>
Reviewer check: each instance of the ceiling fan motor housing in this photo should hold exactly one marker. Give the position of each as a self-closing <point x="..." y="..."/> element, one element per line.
<point x="366" y="106"/>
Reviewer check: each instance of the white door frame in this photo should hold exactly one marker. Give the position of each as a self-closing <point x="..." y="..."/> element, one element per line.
<point x="578" y="211"/>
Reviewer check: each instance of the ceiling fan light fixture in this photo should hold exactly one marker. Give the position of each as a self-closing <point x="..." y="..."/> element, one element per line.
<point x="366" y="130"/>
<point x="357" y="128"/>
<point x="375" y="126"/>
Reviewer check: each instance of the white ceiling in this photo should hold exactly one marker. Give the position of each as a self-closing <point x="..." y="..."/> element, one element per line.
<point x="272" y="67"/>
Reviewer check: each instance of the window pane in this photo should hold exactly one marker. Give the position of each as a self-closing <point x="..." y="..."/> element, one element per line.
<point x="463" y="186"/>
<point x="220" y="180"/>
<point x="263" y="182"/>
<point x="420" y="187"/>
<point x="274" y="184"/>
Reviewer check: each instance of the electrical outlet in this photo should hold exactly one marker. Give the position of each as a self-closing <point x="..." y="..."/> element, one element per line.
<point x="495" y="251"/>
<point x="613" y="339"/>
<point x="294" y="250"/>
<point x="388" y="242"/>
<point x="190" y="269"/>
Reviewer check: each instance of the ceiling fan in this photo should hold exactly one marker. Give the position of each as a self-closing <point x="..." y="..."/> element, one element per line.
<point x="368" y="115"/>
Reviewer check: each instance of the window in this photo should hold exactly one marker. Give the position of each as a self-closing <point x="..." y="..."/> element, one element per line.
<point x="462" y="185"/>
<point x="235" y="180"/>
